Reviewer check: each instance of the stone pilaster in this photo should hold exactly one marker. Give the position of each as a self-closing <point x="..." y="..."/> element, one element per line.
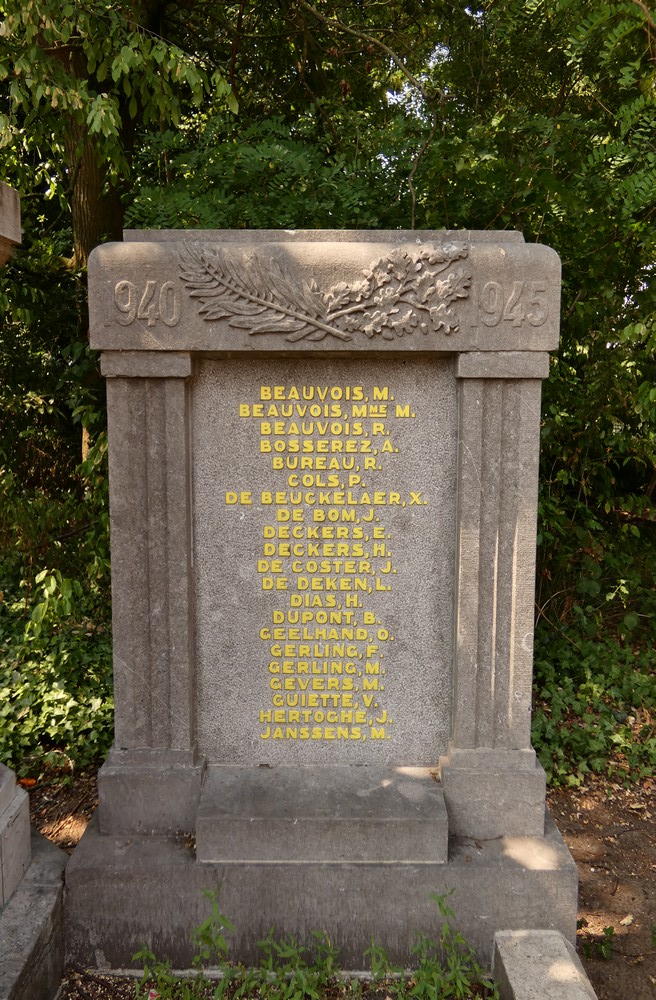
<point x="493" y="785"/>
<point x="152" y="595"/>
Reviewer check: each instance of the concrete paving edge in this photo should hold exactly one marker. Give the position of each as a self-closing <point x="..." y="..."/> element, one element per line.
<point x="32" y="928"/>
<point x="538" y="965"/>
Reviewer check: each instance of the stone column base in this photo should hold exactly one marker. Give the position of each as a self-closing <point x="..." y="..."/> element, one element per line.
<point x="493" y="793"/>
<point x="149" y="791"/>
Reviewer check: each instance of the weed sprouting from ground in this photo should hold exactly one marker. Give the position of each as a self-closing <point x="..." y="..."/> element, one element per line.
<point x="445" y="968"/>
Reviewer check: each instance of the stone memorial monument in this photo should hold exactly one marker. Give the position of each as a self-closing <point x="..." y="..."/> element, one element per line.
<point x="323" y="457"/>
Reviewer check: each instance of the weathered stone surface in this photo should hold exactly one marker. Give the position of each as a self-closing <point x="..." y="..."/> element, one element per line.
<point x="149" y="791"/>
<point x="8" y="788"/>
<point x="369" y="814"/>
<point x="538" y="965"/>
<point x="210" y="292"/>
<point x="495" y="560"/>
<point x="492" y="793"/>
<point x="14" y="833"/>
<point x="150" y="522"/>
<point x="388" y="651"/>
<point x="503" y="364"/>
<point x="321" y="235"/>
<point x="124" y="891"/>
<point x="146" y="364"/>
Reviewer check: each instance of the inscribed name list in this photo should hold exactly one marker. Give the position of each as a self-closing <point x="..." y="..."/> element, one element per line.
<point x="324" y="511"/>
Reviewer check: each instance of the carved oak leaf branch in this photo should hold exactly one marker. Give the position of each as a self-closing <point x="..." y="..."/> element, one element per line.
<point x="259" y="296"/>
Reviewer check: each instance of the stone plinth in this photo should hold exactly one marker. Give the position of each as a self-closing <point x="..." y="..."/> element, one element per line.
<point x="124" y="891"/>
<point x="538" y="965"/>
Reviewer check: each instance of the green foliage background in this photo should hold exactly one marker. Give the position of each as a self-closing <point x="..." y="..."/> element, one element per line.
<point x="339" y="115"/>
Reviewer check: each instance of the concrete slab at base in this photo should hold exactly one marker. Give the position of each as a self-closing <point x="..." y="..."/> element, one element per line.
<point x="122" y="893"/>
<point x="365" y="813"/>
<point x="32" y="928"/>
<point x="538" y="965"/>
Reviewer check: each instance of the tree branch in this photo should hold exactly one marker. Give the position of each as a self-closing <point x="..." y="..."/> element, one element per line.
<point x="415" y="165"/>
<point x="648" y="14"/>
<point x="333" y="22"/>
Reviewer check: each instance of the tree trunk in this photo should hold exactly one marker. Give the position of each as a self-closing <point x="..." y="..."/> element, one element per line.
<point x="96" y="210"/>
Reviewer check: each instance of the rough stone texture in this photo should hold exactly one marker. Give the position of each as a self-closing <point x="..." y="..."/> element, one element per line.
<point x="123" y="892"/>
<point x="368" y="814"/>
<point x="497" y="504"/>
<point x="145" y="364"/>
<point x="503" y="364"/>
<point x="32" y="928"/>
<point x="151" y="559"/>
<point x="320" y="235"/>
<point x="10" y="221"/>
<point x="538" y="965"/>
<point x="14" y="833"/>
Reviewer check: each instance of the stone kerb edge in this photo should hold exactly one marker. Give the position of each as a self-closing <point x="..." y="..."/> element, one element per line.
<point x="538" y="965"/>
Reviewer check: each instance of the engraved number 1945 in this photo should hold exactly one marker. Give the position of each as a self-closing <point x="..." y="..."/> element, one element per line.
<point x="525" y="300"/>
<point x="149" y="304"/>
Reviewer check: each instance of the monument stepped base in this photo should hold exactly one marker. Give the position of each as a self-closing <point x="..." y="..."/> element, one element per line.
<point x="123" y="892"/>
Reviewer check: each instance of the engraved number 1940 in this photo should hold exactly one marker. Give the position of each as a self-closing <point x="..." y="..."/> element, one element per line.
<point x="150" y="305"/>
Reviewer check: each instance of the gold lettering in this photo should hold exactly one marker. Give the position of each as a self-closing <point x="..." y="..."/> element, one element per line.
<point x="327" y="444"/>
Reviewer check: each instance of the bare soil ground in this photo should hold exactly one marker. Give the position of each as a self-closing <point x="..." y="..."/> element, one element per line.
<point x="610" y="830"/>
